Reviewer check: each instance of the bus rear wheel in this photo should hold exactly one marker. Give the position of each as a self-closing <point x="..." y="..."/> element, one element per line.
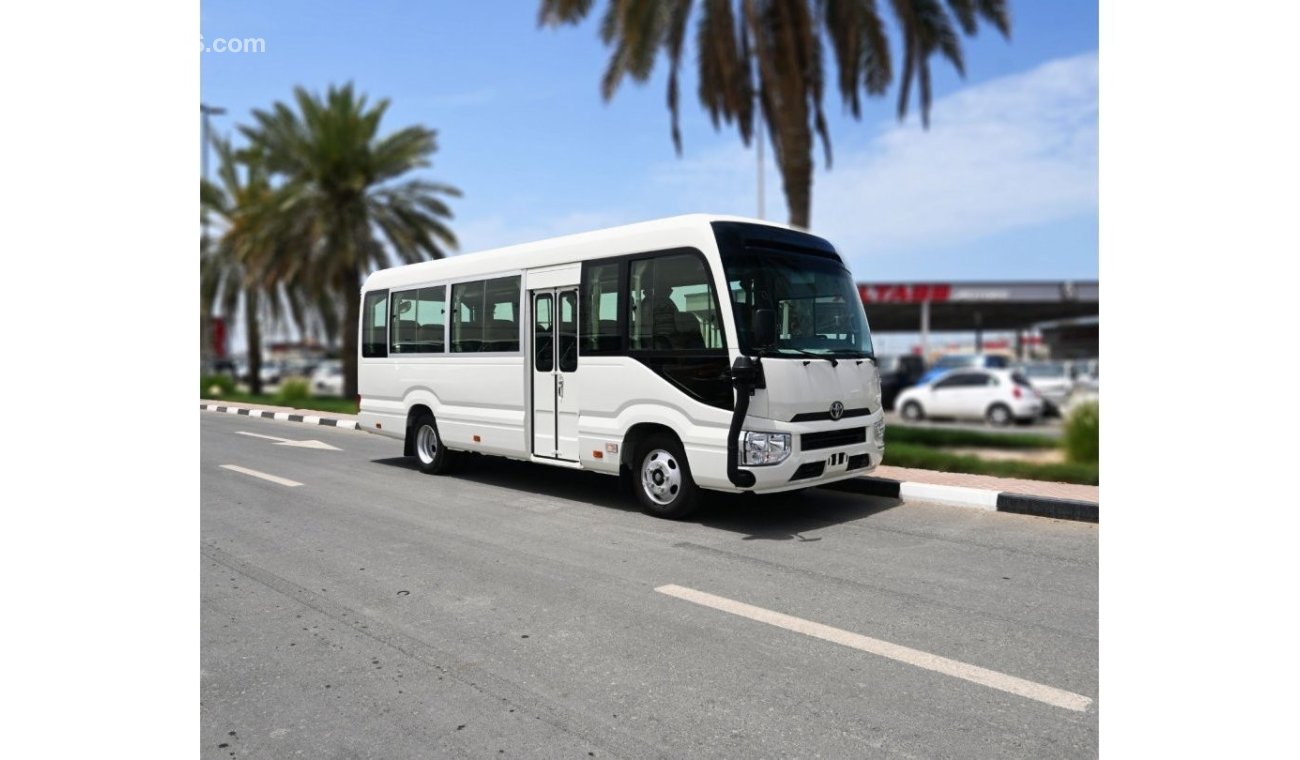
<point x="662" y="479"/>
<point x="431" y="455"/>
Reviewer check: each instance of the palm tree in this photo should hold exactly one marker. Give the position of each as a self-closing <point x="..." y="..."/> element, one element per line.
<point x="774" y="48"/>
<point x="342" y="205"/>
<point x="233" y="264"/>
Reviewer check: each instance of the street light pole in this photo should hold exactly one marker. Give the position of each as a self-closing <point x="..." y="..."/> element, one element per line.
<point x="759" y="138"/>
<point x="208" y="112"/>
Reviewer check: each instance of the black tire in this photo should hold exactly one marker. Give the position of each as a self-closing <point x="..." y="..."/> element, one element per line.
<point x="912" y="412"/>
<point x="661" y="478"/>
<point x="432" y="457"/>
<point x="999" y="415"/>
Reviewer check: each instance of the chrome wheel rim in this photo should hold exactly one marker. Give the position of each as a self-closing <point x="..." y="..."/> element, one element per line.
<point x="426" y="444"/>
<point x="661" y="477"/>
<point x="999" y="416"/>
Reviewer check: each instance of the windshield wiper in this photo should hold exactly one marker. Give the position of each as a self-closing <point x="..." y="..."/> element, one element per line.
<point x="827" y="357"/>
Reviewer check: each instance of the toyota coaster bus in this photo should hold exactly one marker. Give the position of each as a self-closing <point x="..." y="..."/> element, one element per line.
<point x="696" y="352"/>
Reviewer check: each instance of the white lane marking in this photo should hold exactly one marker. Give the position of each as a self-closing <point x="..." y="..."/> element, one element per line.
<point x="262" y="475"/>
<point x="259" y="435"/>
<point x="973" y="673"/>
<point x="290" y="442"/>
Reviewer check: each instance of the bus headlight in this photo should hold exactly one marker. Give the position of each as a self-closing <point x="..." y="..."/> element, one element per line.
<point x="765" y="448"/>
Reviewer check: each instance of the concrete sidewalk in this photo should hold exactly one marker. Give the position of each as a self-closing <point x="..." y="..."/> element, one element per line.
<point x="1037" y="497"/>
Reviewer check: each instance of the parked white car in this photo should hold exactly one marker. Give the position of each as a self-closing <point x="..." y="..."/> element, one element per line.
<point x="1000" y="396"/>
<point x="327" y="380"/>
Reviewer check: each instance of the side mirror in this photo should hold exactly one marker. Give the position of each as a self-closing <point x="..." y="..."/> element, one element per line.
<point x="763" y="328"/>
<point x="743" y="371"/>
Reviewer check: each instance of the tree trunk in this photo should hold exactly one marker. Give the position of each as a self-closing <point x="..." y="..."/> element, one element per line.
<point x="784" y="104"/>
<point x="351" y="329"/>
<point x="796" y="178"/>
<point x="254" y="329"/>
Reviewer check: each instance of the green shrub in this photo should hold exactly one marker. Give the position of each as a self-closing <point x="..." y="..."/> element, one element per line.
<point x="926" y="458"/>
<point x="1081" y="439"/>
<point x="216" y="386"/>
<point x="293" y="392"/>
<point x="937" y="437"/>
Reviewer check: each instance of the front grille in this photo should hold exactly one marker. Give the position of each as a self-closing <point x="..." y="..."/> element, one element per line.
<point x="826" y="415"/>
<point x="831" y="438"/>
<point x="809" y="470"/>
<point x="858" y="461"/>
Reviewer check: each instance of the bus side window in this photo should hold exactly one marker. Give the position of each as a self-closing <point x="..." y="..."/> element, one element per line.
<point x="467" y="313"/>
<point x="374" y="324"/>
<point x="601" y="301"/>
<point x="673" y="305"/>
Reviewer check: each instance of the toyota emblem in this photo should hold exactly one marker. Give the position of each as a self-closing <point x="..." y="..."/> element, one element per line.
<point x="837" y="410"/>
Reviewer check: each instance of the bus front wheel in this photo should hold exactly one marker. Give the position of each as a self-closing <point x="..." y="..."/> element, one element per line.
<point x="429" y="451"/>
<point x="662" y="480"/>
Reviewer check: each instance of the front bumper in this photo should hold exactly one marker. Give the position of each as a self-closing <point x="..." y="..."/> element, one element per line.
<point x="821" y="452"/>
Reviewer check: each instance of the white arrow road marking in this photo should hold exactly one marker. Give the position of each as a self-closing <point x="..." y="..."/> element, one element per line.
<point x="287" y="442"/>
<point x="973" y="673"/>
<point x="262" y="475"/>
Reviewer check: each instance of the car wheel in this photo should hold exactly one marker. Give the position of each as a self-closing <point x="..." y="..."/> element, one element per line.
<point x="999" y="415"/>
<point x="662" y="478"/>
<point x="912" y="412"/>
<point x="431" y="455"/>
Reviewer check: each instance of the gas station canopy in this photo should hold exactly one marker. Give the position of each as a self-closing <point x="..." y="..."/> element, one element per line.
<point x="974" y="306"/>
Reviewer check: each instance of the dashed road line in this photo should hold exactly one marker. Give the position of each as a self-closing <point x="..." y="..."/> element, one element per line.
<point x="973" y="673"/>
<point x="262" y="475"/>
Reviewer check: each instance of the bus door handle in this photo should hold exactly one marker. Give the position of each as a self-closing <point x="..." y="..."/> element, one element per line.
<point x="559" y="386"/>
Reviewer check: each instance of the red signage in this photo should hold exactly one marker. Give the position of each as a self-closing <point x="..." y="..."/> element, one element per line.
<point x="904" y="293"/>
<point x="219" y="337"/>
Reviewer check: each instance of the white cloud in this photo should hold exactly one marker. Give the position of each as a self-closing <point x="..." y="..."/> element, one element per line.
<point x="498" y="230"/>
<point x="1013" y="152"/>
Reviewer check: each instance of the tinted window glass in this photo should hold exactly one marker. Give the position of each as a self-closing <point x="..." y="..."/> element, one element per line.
<point x="418" y="320"/>
<point x="485" y="315"/>
<point x="543" y="334"/>
<point x="467" y="317"/>
<point x="671" y="305"/>
<point x="501" y="303"/>
<point x="568" y="331"/>
<point x="601" y="303"/>
<point x="374" y="324"/>
<point x="962" y="380"/>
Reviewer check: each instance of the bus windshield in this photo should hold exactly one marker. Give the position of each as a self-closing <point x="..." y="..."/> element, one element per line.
<point x="818" y="309"/>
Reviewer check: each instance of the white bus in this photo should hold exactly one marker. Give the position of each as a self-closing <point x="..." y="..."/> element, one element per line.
<point x="696" y="352"/>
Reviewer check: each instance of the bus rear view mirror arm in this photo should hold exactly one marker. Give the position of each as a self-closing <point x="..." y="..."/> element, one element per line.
<point x="763" y="328"/>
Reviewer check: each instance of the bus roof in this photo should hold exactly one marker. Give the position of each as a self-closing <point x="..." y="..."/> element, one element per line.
<point x="657" y="234"/>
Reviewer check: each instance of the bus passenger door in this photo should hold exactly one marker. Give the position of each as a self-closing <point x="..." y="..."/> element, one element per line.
<point x="555" y="365"/>
<point x="544" y="373"/>
<point x="566" y="379"/>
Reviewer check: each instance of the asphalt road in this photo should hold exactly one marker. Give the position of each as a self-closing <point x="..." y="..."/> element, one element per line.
<point x="517" y="610"/>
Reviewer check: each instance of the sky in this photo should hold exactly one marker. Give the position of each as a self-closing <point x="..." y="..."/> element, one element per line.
<point x="1003" y="185"/>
